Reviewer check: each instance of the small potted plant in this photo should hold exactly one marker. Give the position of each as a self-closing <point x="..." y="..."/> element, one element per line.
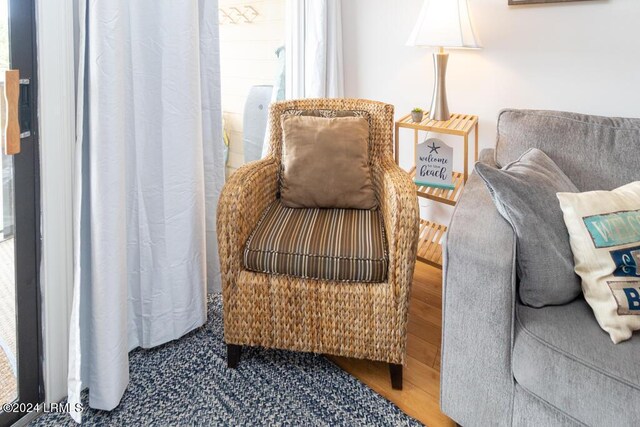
<point x="417" y="114"/>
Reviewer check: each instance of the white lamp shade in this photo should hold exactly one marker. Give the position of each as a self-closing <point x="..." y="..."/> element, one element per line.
<point x="444" y="23"/>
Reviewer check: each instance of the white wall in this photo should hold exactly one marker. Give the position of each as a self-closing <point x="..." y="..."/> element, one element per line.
<point x="582" y="57"/>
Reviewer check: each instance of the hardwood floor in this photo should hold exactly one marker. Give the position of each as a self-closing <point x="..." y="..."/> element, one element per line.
<point x="421" y="393"/>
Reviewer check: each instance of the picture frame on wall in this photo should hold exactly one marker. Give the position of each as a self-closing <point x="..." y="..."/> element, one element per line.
<point x="519" y="2"/>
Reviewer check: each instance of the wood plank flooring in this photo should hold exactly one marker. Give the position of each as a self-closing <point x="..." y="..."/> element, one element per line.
<point x="421" y="393"/>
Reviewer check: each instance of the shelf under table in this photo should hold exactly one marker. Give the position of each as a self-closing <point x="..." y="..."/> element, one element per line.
<point x="430" y="242"/>
<point x="442" y="195"/>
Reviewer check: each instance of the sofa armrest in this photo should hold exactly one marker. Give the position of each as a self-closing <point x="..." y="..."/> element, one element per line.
<point x="479" y="295"/>
<point x="244" y="198"/>
<point x="488" y="157"/>
<point x="398" y="201"/>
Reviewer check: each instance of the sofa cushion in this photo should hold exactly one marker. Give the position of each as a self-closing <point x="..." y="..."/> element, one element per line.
<point x="530" y="411"/>
<point x="561" y="355"/>
<point x="524" y="192"/>
<point x="596" y="153"/>
<point x="328" y="244"/>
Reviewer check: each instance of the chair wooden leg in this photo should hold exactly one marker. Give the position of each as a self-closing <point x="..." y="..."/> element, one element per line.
<point x="396" y="376"/>
<point x="233" y="355"/>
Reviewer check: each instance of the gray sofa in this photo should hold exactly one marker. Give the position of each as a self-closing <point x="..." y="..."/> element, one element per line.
<point x="504" y="363"/>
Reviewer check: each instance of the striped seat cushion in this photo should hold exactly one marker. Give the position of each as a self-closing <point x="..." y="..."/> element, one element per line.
<point x="328" y="244"/>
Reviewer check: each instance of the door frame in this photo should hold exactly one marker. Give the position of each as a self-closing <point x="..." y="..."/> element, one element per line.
<point x="27" y="218"/>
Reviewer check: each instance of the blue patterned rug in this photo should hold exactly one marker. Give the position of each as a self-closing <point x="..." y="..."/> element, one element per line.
<point x="187" y="382"/>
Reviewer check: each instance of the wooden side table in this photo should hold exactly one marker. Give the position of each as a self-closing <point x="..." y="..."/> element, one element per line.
<point x="432" y="233"/>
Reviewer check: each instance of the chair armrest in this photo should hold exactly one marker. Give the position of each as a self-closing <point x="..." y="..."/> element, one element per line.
<point x="398" y="201"/>
<point x="244" y="198"/>
<point x="478" y="311"/>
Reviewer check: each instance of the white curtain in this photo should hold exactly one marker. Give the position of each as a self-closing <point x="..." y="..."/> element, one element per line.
<point x="314" y="49"/>
<point x="149" y="169"/>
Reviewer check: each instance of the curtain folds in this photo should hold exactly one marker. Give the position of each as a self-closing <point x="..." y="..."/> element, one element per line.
<point x="314" y="49"/>
<point x="149" y="169"/>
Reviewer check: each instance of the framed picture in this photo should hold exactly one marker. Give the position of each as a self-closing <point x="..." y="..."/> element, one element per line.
<point x="517" y="2"/>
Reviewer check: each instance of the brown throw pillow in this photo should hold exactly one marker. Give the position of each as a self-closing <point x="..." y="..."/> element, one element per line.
<point x="326" y="163"/>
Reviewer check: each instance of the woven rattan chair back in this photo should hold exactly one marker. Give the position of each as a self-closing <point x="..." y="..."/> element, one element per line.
<point x="380" y="122"/>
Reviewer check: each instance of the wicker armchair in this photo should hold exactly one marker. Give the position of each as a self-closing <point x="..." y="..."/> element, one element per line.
<point x="360" y="320"/>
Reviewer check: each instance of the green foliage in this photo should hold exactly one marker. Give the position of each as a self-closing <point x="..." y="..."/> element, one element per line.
<point x="417" y="110"/>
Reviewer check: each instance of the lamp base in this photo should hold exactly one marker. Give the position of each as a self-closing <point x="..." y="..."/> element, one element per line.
<point x="439" y="107"/>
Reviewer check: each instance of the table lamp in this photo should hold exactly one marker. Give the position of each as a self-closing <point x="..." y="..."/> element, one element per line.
<point x="443" y="24"/>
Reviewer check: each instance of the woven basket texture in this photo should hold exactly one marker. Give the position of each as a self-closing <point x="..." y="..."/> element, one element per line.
<point x="361" y="320"/>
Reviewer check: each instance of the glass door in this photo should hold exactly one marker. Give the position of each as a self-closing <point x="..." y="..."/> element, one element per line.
<point x="20" y="370"/>
<point x="8" y="348"/>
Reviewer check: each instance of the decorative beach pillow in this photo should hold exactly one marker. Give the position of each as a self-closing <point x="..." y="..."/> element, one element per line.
<point x="524" y="193"/>
<point x="604" y="228"/>
<point x="325" y="163"/>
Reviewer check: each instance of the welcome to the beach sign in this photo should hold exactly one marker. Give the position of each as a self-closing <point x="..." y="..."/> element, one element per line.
<point x="434" y="164"/>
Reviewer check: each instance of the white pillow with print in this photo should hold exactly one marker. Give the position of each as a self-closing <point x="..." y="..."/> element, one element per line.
<point x="604" y="230"/>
